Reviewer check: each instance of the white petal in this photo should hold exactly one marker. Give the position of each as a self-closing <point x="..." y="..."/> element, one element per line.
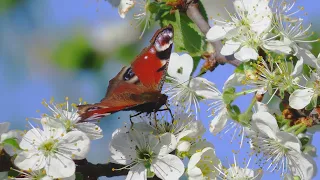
<point x="236" y="79"/>
<point x="297" y="68"/>
<point x="124" y="7"/>
<point x="30" y="160"/>
<point x="168" y="167"/>
<point x="93" y="131"/>
<point x="4" y="127"/>
<point x="32" y="139"/>
<point x="278" y="46"/>
<point x="265" y="123"/>
<point x="218" y="32"/>
<point x="219" y="121"/>
<point x="246" y="54"/>
<point x="302" y="165"/>
<point x="273" y="103"/>
<point x="75" y="143"/>
<point x="167" y="144"/>
<point x="138" y="172"/>
<point x="261" y="107"/>
<point x="300" y="98"/>
<point x="230" y="47"/>
<point x="180" y="67"/>
<point x="53" y="132"/>
<point x="60" y="166"/>
<point x="183" y="146"/>
<point x="199" y="146"/>
<point x="4" y="175"/>
<point x="289" y="140"/>
<point x="204" y="88"/>
<point x="121" y="148"/>
<point x="195" y="173"/>
<point x="308" y="57"/>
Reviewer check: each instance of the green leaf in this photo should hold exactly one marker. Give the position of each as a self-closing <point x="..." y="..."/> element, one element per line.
<point x="188" y="38"/>
<point x="13" y="173"/>
<point x="79" y="176"/>
<point x="11" y="142"/>
<point x="203" y="11"/>
<point x="304" y="141"/>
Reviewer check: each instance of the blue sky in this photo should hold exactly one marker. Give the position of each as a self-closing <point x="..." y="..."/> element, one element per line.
<point x="26" y="79"/>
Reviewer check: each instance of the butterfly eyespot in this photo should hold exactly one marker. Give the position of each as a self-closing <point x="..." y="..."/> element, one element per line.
<point x="129" y="74"/>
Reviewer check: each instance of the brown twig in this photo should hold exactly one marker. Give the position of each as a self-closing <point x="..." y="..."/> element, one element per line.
<point x="195" y="15"/>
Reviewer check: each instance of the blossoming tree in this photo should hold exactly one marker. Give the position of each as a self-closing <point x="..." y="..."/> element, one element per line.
<point x="269" y="44"/>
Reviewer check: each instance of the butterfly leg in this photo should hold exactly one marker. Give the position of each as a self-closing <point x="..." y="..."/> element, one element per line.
<point x="167" y="109"/>
<point x="131" y="116"/>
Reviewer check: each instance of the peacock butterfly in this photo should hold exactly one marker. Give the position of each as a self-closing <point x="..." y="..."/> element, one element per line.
<point x="137" y="87"/>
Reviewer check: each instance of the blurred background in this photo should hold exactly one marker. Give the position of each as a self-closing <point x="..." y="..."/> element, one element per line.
<point x="56" y="48"/>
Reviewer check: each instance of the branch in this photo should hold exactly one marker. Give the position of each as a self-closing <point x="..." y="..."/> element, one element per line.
<point x="216" y="58"/>
<point x="94" y="171"/>
<point x="5" y="162"/>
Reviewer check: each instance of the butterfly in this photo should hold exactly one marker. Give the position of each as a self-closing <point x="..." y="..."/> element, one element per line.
<point x="137" y="87"/>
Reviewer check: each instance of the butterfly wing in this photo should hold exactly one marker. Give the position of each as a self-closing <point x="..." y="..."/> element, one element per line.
<point x="138" y="84"/>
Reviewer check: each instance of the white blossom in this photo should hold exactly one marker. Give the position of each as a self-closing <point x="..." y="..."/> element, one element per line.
<point x="300" y="98"/>
<point x="143" y="16"/>
<point x="246" y="30"/>
<point x="236" y="172"/>
<point x="202" y="165"/>
<point x="143" y="152"/>
<point x="66" y="115"/>
<point x="52" y="149"/>
<point x="184" y="91"/>
<point x="281" y="149"/>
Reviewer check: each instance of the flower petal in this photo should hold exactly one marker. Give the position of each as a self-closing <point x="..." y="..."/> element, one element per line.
<point x="219" y="121"/>
<point x="168" y="167"/>
<point x="183" y="146"/>
<point x="4" y="127"/>
<point x="264" y="122"/>
<point x="167" y="144"/>
<point x="230" y="47"/>
<point x="75" y="143"/>
<point x="60" y="166"/>
<point x="289" y="140"/>
<point x="121" y="148"/>
<point x="31" y="138"/>
<point x="246" y="54"/>
<point x="180" y="67"/>
<point x="204" y="88"/>
<point x="236" y="79"/>
<point x="195" y="173"/>
<point x="138" y="172"/>
<point x="297" y="68"/>
<point x="33" y="160"/>
<point x="218" y="32"/>
<point x="93" y="131"/>
<point x="302" y="165"/>
<point x="4" y="175"/>
<point x="278" y="46"/>
<point x="124" y="7"/>
<point x="300" y="98"/>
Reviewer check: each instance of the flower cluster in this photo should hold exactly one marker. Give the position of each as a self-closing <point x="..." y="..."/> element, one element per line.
<point x="278" y="73"/>
<point x="48" y="150"/>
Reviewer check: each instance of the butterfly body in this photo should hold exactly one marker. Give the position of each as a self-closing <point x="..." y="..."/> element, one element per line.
<point x="137" y="87"/>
